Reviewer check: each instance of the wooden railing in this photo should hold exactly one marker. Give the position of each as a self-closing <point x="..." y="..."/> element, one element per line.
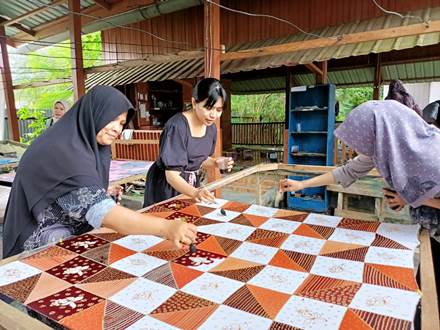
<point x="269" y="134"/>
<point x="341" y="152"/>
<point x="143" y="146"/>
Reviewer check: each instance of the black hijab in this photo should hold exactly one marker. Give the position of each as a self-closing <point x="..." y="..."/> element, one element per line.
<point x="64" y="158"/>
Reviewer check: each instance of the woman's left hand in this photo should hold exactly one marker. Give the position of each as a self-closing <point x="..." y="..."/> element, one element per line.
<point x="394" y="200"/>
<point x="115" y="191"/>
<point x="224" y="163"/>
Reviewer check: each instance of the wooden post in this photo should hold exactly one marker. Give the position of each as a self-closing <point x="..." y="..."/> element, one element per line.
<point x="258" y="192"/>
<point x="8" y="87"/>
<point x="226" y="118"/>
<point x="78" y="76"/>
<point x="286" y="115"/>
<point x="322" y="77"/>
<point x="430" y="311"/>
<point x="377" y="77"/>
<point x="212" y="63"/>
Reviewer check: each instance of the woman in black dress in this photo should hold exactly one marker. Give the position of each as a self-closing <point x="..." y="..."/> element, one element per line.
<point x="186" y="144"/>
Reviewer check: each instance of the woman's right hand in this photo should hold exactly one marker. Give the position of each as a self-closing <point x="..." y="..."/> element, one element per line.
<point x="203" y="195"/>
<point x="180" y="233"/>
<point x="290" y="185"/>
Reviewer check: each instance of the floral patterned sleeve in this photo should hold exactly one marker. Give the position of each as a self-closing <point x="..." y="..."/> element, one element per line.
<point x="86" y="204"/>
<point x="71" y="214"/>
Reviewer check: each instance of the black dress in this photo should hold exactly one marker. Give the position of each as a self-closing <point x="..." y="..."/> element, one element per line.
<point x="179" y="151"/>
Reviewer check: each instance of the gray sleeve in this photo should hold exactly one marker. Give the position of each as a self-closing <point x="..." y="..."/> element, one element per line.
<point x="354" y="169"/>
<point x="97" y="212"/>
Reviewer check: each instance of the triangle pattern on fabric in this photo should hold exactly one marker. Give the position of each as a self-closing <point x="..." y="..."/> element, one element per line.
<point x="163" y="275"/>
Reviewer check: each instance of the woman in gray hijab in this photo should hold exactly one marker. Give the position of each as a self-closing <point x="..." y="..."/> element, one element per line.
<point x="404" y="149"/>
<point x="406" y="152"/>
<point x="58" y="110"/>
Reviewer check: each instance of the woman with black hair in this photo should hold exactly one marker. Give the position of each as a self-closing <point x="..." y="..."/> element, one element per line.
<point x="60" y="188"/>
<point x="399" y="93"/>
<point x="186" y="144"/>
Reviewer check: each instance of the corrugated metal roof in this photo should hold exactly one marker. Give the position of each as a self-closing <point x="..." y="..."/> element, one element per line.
<point x="336" y="52"/>
<point x="11" y="9"/>
<point x="409" y="72"/>
<point x="193" y="68"/>
<point x="152" y="72"/>
<point x="256" y="86"/>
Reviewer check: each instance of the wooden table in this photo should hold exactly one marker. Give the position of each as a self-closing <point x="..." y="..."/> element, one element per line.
<point x="368" y="187"/>
<point x="11" y="318"/>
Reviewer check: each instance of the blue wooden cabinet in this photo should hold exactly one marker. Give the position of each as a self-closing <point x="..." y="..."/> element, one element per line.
<point x="311" y="123"/>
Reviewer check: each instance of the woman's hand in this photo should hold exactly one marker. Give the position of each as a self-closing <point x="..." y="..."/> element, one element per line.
<point x="115" y="191"/>
<point x="203" y="195"/>
<point x="290" y="185"/>
<point x="394" y="200"/>
<point x="180" y="233"/>
<point x="224" y="163"/>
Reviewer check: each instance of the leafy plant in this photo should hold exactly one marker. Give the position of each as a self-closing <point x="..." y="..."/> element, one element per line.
<point x="48" y="64"/>
<point x="37" y="125"/>
<point x="51" y="63"/>
<point x="258" y="108"/>
<point x="350" y="98"/>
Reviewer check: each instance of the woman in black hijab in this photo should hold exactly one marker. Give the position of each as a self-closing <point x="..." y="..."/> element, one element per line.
<point x="62" y="179"/>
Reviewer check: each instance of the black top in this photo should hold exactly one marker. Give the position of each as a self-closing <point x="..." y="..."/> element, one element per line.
<point x="64" y="158"/>
<point x="179" y="151"/>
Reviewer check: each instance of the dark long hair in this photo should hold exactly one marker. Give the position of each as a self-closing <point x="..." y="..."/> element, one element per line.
<point x="399" y="93"/>
<point x="211" y="90"/>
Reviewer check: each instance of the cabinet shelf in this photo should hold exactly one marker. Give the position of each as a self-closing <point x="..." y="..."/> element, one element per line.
<point x="314" y="139"/>
<point x="165" y="91"/>
<point x="307" y="110"/>
<point x="308" y="132"/>
<point x="164" y="110"/>
<point x="307" y="154"/>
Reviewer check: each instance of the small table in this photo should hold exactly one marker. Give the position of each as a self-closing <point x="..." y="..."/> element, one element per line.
<point x="369" y="187"/>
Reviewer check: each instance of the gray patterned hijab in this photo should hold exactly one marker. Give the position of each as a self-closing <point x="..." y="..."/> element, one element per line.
<point x="404" y="148"/>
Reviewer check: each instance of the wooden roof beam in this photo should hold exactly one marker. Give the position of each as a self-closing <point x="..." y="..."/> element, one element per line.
<point x="323" y="77"/>
<point x="18" y="27"/>
<point x="59" y="25"/>
<point x="314" y="68"/>
<point x="104" y="4"/>
<point x="31" y="13"/>
<point x="345" y="39"/>
<point x="43" y="83"/>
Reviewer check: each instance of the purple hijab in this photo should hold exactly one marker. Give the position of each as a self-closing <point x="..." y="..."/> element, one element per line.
<point x="404" y="148"/>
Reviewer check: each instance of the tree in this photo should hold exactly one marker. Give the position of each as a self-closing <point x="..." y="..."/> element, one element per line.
<point x="256" y="108"/>
<point x="350" y="98"/>
<point x="47" y="64"/>
<point x="51" y="63"/>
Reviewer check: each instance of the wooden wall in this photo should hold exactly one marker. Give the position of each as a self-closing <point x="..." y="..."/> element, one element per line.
<point x="186" y="26"/>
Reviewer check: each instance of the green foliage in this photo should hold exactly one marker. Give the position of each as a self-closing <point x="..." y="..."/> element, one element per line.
<point x="47" y="64"/>
<point x="270" y="107"/>
<point x="51" y="63"/>
<point x="258" y="108"/>
<point x="38" y="124"/>
<point x="350" y="98"/>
